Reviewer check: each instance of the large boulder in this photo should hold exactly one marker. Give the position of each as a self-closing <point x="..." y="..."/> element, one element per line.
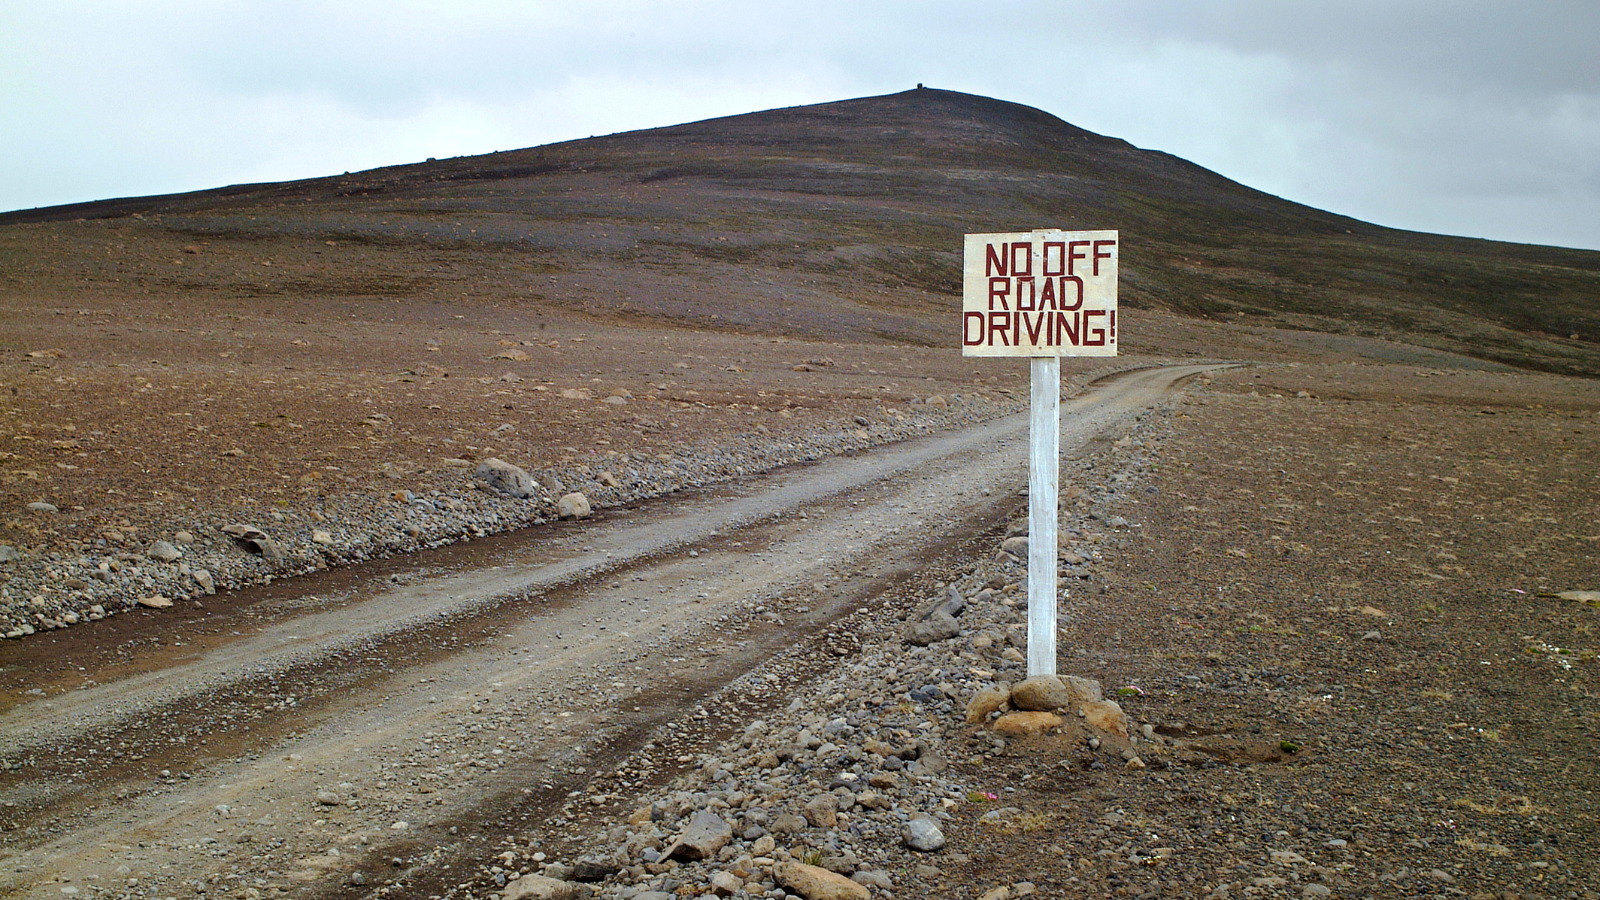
<point x="501" y="476"/>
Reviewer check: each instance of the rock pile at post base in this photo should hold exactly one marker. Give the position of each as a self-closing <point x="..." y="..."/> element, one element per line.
<point x="847" y="793"/>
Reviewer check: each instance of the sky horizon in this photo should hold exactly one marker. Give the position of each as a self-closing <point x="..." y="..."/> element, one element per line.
<point x="1469" y="118"/>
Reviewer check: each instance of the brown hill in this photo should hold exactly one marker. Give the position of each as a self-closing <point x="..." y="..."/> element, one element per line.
<point x="845" y="219"/>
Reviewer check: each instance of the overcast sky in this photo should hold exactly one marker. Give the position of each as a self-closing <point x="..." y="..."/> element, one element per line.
<point x="1464" y="117"/>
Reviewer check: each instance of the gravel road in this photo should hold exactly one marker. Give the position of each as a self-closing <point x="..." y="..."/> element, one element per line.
<point x="372" y="722"/>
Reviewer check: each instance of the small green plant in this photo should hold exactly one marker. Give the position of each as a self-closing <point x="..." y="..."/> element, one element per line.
<point x="1289" y="746"/>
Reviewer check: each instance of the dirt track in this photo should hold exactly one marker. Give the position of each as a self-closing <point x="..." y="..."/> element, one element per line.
<point x="463" y="684"/>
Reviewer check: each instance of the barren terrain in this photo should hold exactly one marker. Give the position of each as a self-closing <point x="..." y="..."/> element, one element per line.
<point x="1320" y="537"/>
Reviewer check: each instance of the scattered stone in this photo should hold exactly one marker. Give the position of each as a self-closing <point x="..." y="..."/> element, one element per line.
<point x="162" y="551"/>
<point x="9" y="554"/>
<point x="1017" y="724"/>
<point x="540" y="887"/>
<point x="1107" y="716"/>
<point x="183" y="537"/>
<point x="39" y="506"/>
<point x="573" y="506"/>
<point x="1016" y="546"/>
<point x="705" y="834"/>
<point x="255" y="540"/>
<point x="595" y="868"/>
<point x="322" y="537"/>
<point x="823" y="811"/>
<point x="873" y="878"/>
<point x="1587" y="598"/>
<point x="501" y="476"/>
<point x="726" y="884"/>
<point x="1373" y="635"/>
<point x="923" y="834"/>
<point x="203" y="578"/>
<point x="816" y="883"/>
<point x="938" y="627"/>
<point x="989" y="700"/>
<point x="155" y="601"/>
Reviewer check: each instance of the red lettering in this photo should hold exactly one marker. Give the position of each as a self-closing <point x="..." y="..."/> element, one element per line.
<point x="1022" y="258"/>
<point x="968" y="339"/>
<point x="999" y="323"/>
<point x="999" y="289"/>
<point x="1060" y="267"/>
<point x="1035" y="325"/>
<point x="994" y="261"/>
<point x="1113" y="326"/>
<point x="1093" y="337"/>
<point x="1073" y="255"/>
<point x="1078" y="304"/>
<point x="1099" y="255"/>
<point x="1064" y="331"/>
<point x="1027" y="293"/>
<point x="1047" y="297"/>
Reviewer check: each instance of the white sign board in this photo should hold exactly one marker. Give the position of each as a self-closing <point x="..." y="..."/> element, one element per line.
<point x="1040" y="293"/>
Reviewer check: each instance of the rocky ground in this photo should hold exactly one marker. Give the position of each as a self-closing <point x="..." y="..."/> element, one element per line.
<point x="1340" y="598"/>
<point x="1351" y="641"/>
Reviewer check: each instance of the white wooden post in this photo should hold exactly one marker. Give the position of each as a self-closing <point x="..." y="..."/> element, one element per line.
<point x="1044" y="463"/>
<point x="1042" y="294"/>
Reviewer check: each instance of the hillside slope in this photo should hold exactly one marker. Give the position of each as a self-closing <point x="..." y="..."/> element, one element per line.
<point x="845" y="219"/>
